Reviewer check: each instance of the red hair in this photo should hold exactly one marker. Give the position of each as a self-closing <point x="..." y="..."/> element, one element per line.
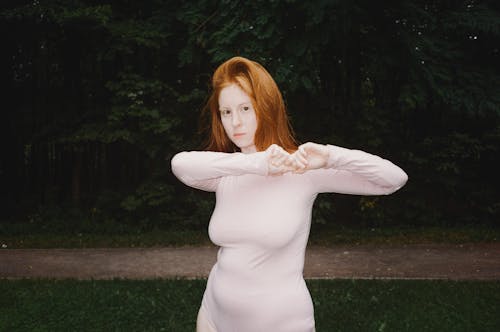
<point x="273" y="126"/>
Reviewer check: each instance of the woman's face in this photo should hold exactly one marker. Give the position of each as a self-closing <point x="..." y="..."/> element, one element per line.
<point x="238" y="117"/>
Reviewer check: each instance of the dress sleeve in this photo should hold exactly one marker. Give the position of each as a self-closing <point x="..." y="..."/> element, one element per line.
<point x="204" y="169"/>
<point x="358" y="173"/>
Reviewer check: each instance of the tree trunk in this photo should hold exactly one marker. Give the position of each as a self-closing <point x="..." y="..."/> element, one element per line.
<point x="76" y="179"/>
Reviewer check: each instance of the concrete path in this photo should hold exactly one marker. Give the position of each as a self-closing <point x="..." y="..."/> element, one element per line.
<point x="435" y="261"/>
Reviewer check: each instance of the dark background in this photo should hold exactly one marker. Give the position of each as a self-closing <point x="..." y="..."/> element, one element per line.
<point x="98" y="96"/>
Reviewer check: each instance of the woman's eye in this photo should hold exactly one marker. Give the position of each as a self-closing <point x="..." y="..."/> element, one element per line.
<point x="246" y="108"/>
<point x="225" y="112"/>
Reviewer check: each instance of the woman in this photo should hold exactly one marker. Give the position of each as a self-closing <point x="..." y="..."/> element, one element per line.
<point x="265" y="188"/>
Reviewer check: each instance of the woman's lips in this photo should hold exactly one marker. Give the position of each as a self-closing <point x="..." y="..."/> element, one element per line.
<point x="238" y="134"/>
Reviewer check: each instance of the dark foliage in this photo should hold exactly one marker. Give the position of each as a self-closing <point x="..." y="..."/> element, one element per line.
<point x="98" y="96"/>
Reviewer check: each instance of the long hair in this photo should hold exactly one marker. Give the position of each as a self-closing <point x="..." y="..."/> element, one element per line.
<point x="273" y="126"/>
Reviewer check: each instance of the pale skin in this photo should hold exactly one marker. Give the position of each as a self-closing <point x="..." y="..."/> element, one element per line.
<point x="240" y="124"/>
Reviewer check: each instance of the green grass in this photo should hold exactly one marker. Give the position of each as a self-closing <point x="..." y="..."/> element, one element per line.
<point x="320" y="235"/>
<point x="172" y="305"/>
<point x="327" y="235"/>
<point x="91" y="240"/>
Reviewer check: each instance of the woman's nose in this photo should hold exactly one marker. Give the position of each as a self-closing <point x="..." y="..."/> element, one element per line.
<point x="236" y="120"/>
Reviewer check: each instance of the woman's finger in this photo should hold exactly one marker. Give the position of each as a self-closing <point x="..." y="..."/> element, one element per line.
<point x="291" y="162"/>
<point x="303" y="151"/>
<point x="298" y="161"/>
<point x="282" y="158"/>
<point x="278" y="159"/>
<point x="301" y="157"/>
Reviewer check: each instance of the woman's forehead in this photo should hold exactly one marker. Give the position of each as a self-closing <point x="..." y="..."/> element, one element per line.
<point x="233" y="95"/>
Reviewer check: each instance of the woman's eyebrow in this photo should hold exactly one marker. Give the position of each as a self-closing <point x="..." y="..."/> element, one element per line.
<point x="228" y="107"/>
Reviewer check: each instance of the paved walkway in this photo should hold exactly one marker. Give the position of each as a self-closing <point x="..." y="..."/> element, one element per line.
<point x="435" y="261"/>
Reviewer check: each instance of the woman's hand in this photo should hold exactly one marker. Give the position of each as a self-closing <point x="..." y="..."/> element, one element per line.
<point x="313" y="155"/>
<point x="307" y="157"/>
<point x="281" y="162"/>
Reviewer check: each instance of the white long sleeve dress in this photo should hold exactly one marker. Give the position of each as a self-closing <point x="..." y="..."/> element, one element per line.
<point x="262" y="222"/>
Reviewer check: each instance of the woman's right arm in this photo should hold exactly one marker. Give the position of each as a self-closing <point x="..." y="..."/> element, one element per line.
<point x="203" y="169"/>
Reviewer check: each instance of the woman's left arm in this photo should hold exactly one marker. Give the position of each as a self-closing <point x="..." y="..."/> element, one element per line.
<point x="335" y="169"/>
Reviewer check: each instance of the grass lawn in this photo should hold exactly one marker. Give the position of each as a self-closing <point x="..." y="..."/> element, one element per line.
<point x="172" y="305"/>
<point x="320" y="235"/>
